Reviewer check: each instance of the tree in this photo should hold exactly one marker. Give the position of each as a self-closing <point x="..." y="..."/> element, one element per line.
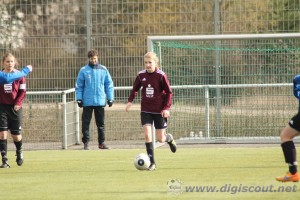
<point x="12" y="28"/>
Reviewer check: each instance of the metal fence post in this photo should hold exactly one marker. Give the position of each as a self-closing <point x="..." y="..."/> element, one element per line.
<point x="77" y="133"/>
<point x="88" y="24"/>
<point x="64" y="122"/>
<point x="207" y="128"/>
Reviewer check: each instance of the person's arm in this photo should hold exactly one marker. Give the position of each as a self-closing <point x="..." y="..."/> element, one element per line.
<point x="21" y="93"/>
<point x="168" y="91"/>
<point x="109" y="87"/>
<point x="136" y="86"/>
<point x="79" y="85"/>
<point x="10" y="77"/>
<point x="79" y="88"/>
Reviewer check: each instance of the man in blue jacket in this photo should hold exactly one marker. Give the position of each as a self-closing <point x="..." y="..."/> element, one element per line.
<point x="94" y="89"/>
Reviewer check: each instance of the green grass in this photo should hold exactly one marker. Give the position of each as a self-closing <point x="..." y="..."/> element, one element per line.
<point x="77" y="174"/>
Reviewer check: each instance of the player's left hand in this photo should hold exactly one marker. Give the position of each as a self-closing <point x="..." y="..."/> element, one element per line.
<point x="110" y="103"/>
<point x="165" y="113"/>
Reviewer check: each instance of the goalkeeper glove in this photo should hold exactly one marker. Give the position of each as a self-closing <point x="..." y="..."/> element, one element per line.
<point x="110" y="102"/>
<point x="80" y="103"/>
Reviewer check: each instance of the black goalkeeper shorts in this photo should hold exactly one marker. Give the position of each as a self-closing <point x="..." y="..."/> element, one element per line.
<point x="295" y="122"/>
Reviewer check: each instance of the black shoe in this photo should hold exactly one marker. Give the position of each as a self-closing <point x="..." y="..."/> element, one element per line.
<point x="103" y="146"/>
<point x="172" y="144"/>
<point x="152" y="167"/>
<point x="4" y="165"/>
<point x="86" y="146"/>
<point x="4" y="162"/>
<point x="20" y="158"/>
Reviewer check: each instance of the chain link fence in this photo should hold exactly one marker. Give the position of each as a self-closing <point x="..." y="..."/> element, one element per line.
<point x="55" y="35"/>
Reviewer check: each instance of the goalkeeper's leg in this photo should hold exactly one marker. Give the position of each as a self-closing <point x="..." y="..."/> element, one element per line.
<point x="289" y="152"/>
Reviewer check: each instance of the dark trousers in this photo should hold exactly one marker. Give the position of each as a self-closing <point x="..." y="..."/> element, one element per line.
<point x="86" y="120"/>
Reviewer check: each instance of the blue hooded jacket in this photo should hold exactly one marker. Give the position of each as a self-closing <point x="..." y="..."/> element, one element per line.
<point x="94" y="85"/>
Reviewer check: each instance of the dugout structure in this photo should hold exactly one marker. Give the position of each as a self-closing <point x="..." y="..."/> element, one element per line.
<point x="230" y="88"/>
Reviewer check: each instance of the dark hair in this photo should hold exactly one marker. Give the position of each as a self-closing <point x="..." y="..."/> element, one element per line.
<point x="92" y="53"/>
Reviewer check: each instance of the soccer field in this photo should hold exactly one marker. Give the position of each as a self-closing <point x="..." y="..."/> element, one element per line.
<point x="191" y="173"/>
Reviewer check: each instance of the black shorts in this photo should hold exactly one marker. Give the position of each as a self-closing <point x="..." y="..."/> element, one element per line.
<point x="157" y="119"/>
<point x="10" y="119"/>
<point x="295" y="122"/>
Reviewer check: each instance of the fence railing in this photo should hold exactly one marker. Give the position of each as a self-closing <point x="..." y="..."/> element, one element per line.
<point x="51" y="119"/>
<point x="250" y="113"/>
<point x="283" y="106"/>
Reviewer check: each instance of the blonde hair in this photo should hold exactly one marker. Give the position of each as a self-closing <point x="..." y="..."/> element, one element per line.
<point x="6" y="55"/>
<point x="152" y="56"/>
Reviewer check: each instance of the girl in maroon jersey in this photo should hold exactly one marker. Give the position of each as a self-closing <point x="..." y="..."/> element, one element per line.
<point x="155" y="104"/>
<point x="12" y="95"/>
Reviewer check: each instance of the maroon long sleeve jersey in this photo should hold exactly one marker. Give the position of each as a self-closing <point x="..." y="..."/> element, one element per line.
<point x="156" y="91"/>
<point x="13" y="93"/>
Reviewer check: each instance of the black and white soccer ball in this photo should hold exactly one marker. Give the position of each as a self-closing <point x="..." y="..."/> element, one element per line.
<point x="141" y="161"/>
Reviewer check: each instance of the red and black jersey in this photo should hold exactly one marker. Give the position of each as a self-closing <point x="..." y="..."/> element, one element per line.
<point x="13" y="93"/>
<point x="156" y="91"/>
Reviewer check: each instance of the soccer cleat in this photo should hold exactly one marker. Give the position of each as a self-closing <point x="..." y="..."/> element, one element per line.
<point x="20" y="158"/>
<point x="103" y="146"/>
<point x="289" y="177"/>
<point x="4" y="165"/>
<point x="152" y="167"/>
<point x="172" y="144"/>
<point x="86" y="146"/>
<point x="4" y="162"/>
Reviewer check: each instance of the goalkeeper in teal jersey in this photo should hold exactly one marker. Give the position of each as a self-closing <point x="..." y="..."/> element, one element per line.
<point x="287" y="135"/>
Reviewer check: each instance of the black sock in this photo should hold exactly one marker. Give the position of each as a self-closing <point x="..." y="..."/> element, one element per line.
<point x="150" y="152"/>
<point x="18" y="145"/>
<point x="3" y="149"/>
<point x="289" y="152"/>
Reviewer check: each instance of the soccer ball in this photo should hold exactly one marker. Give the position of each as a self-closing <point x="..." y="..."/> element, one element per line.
<point x="141" y="161"/>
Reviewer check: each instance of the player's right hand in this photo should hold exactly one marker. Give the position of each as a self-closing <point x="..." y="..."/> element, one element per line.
<point x="128" y="105"/>
<point x="29" y="67"/>
<point x="80" y="103"/>
<point x="165" y="113"/>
